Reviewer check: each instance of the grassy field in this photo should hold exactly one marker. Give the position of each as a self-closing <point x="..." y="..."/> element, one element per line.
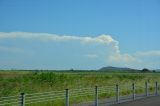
<point x="15" y="82"/>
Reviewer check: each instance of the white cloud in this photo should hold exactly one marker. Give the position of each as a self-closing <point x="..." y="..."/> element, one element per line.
<point x="122" y="58"/>
<point x="92" y="56"/>
<point x="103" y="39"/>
<point x="11" y="49"/>
<point x="148" y="54"/>
<point x="114" y="54"/>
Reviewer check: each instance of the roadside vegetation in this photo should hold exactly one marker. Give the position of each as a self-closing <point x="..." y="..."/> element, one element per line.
<point x="15" y="82"/>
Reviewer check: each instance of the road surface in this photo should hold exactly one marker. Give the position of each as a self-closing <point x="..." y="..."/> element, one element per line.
<point x="150" y="101"/>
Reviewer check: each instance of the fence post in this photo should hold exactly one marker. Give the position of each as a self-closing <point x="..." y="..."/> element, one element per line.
<point x="22" y="99"/>
<point x="146" y="87"/>
<point x="133" y="91"/>
<point x="156" y="88"/>
<point x="67" y="97"/>
<point x="96" y="95"/>
<point x="117" y="93"/>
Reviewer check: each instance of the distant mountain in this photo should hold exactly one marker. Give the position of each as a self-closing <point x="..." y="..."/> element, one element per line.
<point x="157" y="70"/>
<point x="110" y="68"/>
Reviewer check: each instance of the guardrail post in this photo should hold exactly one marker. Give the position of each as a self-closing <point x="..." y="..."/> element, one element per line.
<point x="67" y="97"/>
<point x="146" y="88"/>
<point x="117" y="93"/>
<point x="133" y="91"/>
<point x="96" y="95"/>
<point x="22" y="99"/>
<point x="156" y="88"/>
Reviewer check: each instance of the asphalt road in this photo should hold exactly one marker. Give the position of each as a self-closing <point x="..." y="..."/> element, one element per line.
<point x="150" y="101"/>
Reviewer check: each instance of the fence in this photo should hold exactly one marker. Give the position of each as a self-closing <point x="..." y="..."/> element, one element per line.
<point x="94" y="96"/>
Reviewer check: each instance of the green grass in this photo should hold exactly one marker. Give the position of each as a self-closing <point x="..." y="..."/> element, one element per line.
<point x="15" y="82"/>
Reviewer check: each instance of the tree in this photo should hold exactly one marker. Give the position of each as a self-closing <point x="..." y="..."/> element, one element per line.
<point x="145" y="70"/>
<point x="154" y="71"/>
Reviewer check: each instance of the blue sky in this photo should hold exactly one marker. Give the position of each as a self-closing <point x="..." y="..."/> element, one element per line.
<point x="79" y="34"/>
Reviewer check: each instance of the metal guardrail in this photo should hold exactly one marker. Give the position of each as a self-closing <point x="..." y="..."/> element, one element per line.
<point x="117" y="92"/>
